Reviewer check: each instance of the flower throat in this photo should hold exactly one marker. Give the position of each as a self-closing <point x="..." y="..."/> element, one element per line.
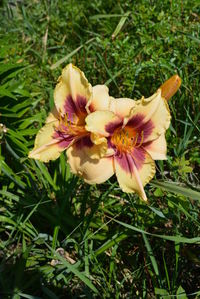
<point x="125" y="139"/>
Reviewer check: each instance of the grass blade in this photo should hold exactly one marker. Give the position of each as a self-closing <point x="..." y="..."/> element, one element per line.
<point x="177" y="239"/>
<point x="120" y="25"/>
<point x="177" y="189"/>
<point x="64" y="59"/>
<point x="73" y="269"/>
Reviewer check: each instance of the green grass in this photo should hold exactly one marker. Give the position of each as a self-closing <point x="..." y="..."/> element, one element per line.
<point x="115" y="245"/>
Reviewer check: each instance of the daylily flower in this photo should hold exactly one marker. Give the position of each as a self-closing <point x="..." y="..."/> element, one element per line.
<point x="65" y="128"/>
<point x="135" y="133"/>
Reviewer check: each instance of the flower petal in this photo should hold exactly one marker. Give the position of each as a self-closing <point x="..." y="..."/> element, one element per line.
<point x="122" y="106"/>
<point x="72" y="92"/>
<point x="46" y="147"/>
<point x="134" y="171"/>
<point x="93" y="171"/>
<point x="53" y="116"/>
<point x="93" y="146"/>
<point x="151" y="115"/>
<point x="99" y="121"/>
<point x="157" y="148"/>
<point x="100" y="99"/>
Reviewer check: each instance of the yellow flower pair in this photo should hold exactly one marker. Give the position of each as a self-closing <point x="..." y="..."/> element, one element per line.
<point x="103" y="135"/>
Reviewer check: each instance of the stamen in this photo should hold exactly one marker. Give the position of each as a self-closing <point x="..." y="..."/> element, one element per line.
<point x="142" y="139"/>
<point x="135" y="139"/>
<point x="120" y="136"/>
<point x="65" y="118"/>
<point x="127" y="141"/>
<point x="60" y="118"/>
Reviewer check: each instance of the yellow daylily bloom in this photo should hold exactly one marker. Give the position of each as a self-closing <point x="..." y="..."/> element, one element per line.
<point x="74" y="99"/>
<point x="135" y="132"/>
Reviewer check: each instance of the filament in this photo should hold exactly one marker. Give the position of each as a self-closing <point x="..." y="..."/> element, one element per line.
<point x="142" y="139"/>
<point x="135" y="140"/>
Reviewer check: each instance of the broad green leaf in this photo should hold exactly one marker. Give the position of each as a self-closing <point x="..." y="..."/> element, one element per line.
<point x="181" y="293"/>
<point x="163" y="293"/>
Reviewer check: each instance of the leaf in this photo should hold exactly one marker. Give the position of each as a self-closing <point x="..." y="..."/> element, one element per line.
<point x="6" y="93"/>
<point x="22" y="295"/>
<point x="59" y="62"/>
<point x="177" y="239"/>
<point x="181" y="293"/>
<point x="117" y="238"/>
<point x="8" y="171"/>
<point x="46" y="174"/>
<point x="164" y="294"/>
<point x="5" y="219"/>
<point x="157" y="212"/>
<point x="5" y="67"/>
<point x="9" y="195"/>
<point x="73" y="269"/>
<point x="105" y="16"/>
<point x="178" y="189"/>
<point x="150" y="254"/>
<point x="120" y="25"/>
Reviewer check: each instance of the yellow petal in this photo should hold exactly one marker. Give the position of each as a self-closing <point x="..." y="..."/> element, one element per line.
<point x="93" y="146"/>
<point x="122" y="106"/>
<point x="72" y="83"/>
<point x="99" y="149"/>
<point x="100" y="99"/>
<point x="98" y="121"/>
<point x="157" y="149"/>
<point x="53" y="116"/>
<point x="93" y="171"/>
<point x="154" y="112"/>
<point x="46" y="147"/>
<point x="135" y="179"/>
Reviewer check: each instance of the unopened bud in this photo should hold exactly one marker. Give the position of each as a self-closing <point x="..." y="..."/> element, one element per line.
<point x="170" y="87"/>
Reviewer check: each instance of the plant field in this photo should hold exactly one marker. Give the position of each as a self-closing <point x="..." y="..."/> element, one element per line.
<point x="63" y="238"/>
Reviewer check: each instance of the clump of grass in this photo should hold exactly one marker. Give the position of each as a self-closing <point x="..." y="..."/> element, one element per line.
<point x="113" y="245"/>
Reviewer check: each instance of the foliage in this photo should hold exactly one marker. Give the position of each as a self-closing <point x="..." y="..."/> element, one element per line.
<point x="113" y="245"/>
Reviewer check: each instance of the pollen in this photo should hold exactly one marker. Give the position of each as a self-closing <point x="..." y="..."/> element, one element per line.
<point x="127" y="138"/>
